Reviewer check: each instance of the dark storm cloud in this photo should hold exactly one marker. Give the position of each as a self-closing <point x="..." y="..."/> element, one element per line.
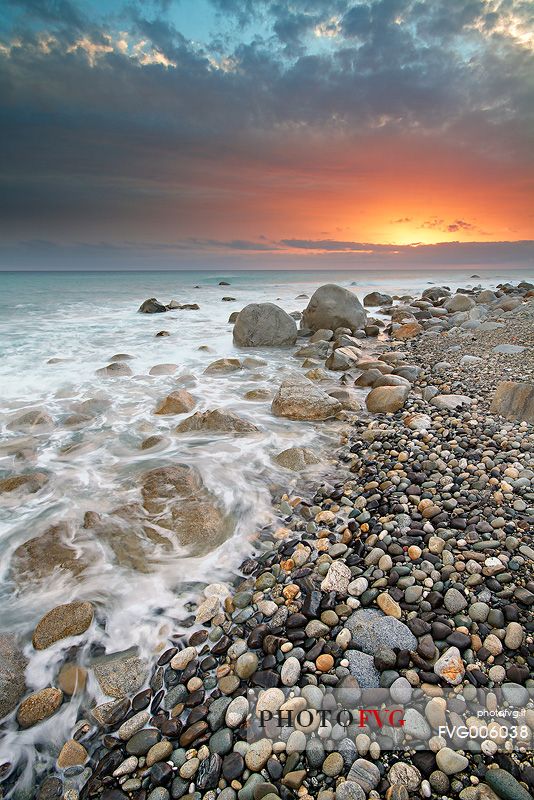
<point x="119" y="116"/>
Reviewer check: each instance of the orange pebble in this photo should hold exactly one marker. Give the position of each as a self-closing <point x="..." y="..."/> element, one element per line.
<point x="324" y="662"/>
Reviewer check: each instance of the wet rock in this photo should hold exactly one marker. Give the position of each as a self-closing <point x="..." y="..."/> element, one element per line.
<point x="39" y="706"/>
<point x="296" y="458"/>
<point x="216" y="421"/>
<point x="179" y="501"/>
<point x="178" y="402"/>
<point x="72" y="679"/>
<point x="35" y="419"/>
<point x="120" y="674"/>
<point x="163" y="369"/>
<point x="152" y="306"/>
<point x="223" y="366"/>
<point x="37" y="558"/>
<point x="264" y="325"/>
<point x="298" y="398"/>
<point x="29" y="482"/>
<point x="13" y="664"/>
<point x="117" y="369"/>
<point x="72" y="754"/>
<point x="70" y="619"/>
<point x="450" y="762"/>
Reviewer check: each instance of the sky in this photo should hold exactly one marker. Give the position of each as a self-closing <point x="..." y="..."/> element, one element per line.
<point x="264" y="133"/>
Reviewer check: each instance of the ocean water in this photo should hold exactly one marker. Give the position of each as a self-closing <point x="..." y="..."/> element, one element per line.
<point x="56" y="331"/>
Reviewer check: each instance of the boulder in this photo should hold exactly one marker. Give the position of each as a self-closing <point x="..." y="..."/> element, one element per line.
<point x="38" y="558"/>
<point x="13" y="664"/>
<point x="152" y="306"/>
<point x="347" y="397"/>
<point x="450" y="402"/>
<point x="514" y="400"/>
<point x="343" y="358"/>
<point x="178" y="402"/>
<point x="296" y="458"/>
<point x="29" y="482"/>
<point x="299" y="398"/>
<point x="216" y="421"/>
<point x="371" y="630"/>
<point x="70" y="619"/>
<point x="223" y="366"/>
<point x="408" y="331"/>
<point x="377" y="299"/>
<point x="264" y="325"/>
<point x="39" y="706"/>
<point x="459" y="302"/>
<point x="233" y="316"/>
<point x="386" y="399"/>
<point x="333" y="307"/>
<point x="120" y="674"/>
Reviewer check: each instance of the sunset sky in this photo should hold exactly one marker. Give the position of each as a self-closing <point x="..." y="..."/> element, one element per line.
<point x="185" y="133"/>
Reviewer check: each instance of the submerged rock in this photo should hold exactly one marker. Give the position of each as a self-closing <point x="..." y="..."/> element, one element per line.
<point x="30" y="420"/>
<point x="216" y="421"/>
<point x="37" y="558"/>
<point x="264" y="325"/>
<point x="30" y="482"/>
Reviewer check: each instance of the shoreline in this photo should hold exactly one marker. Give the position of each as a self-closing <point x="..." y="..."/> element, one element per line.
<point x="405" y="484"/>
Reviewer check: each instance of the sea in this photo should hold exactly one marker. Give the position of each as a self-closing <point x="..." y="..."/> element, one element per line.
<point x="56" y="330"/>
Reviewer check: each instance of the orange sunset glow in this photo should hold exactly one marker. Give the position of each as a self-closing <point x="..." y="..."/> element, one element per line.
<point x="228" y="130"/>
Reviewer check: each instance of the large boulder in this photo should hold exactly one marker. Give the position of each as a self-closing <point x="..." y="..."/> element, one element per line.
<point x="386" y="399"/>
<point x="333" y="307"/>
<point x="264" y="325"/>
<point x="377" y="299"/>
<point x="70" y="619"/>
<point x="12" y="666"/>
<point x="152" y="306"/>
<point x="514" y="400"/>
<point x="299" y="398"/>
<point x="216" y="421"/>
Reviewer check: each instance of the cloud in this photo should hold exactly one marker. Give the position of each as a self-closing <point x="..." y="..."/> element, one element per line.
<point x="122" y="122"/>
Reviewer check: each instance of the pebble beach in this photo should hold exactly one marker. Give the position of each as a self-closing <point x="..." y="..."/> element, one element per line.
<point x="396" y="555"/>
